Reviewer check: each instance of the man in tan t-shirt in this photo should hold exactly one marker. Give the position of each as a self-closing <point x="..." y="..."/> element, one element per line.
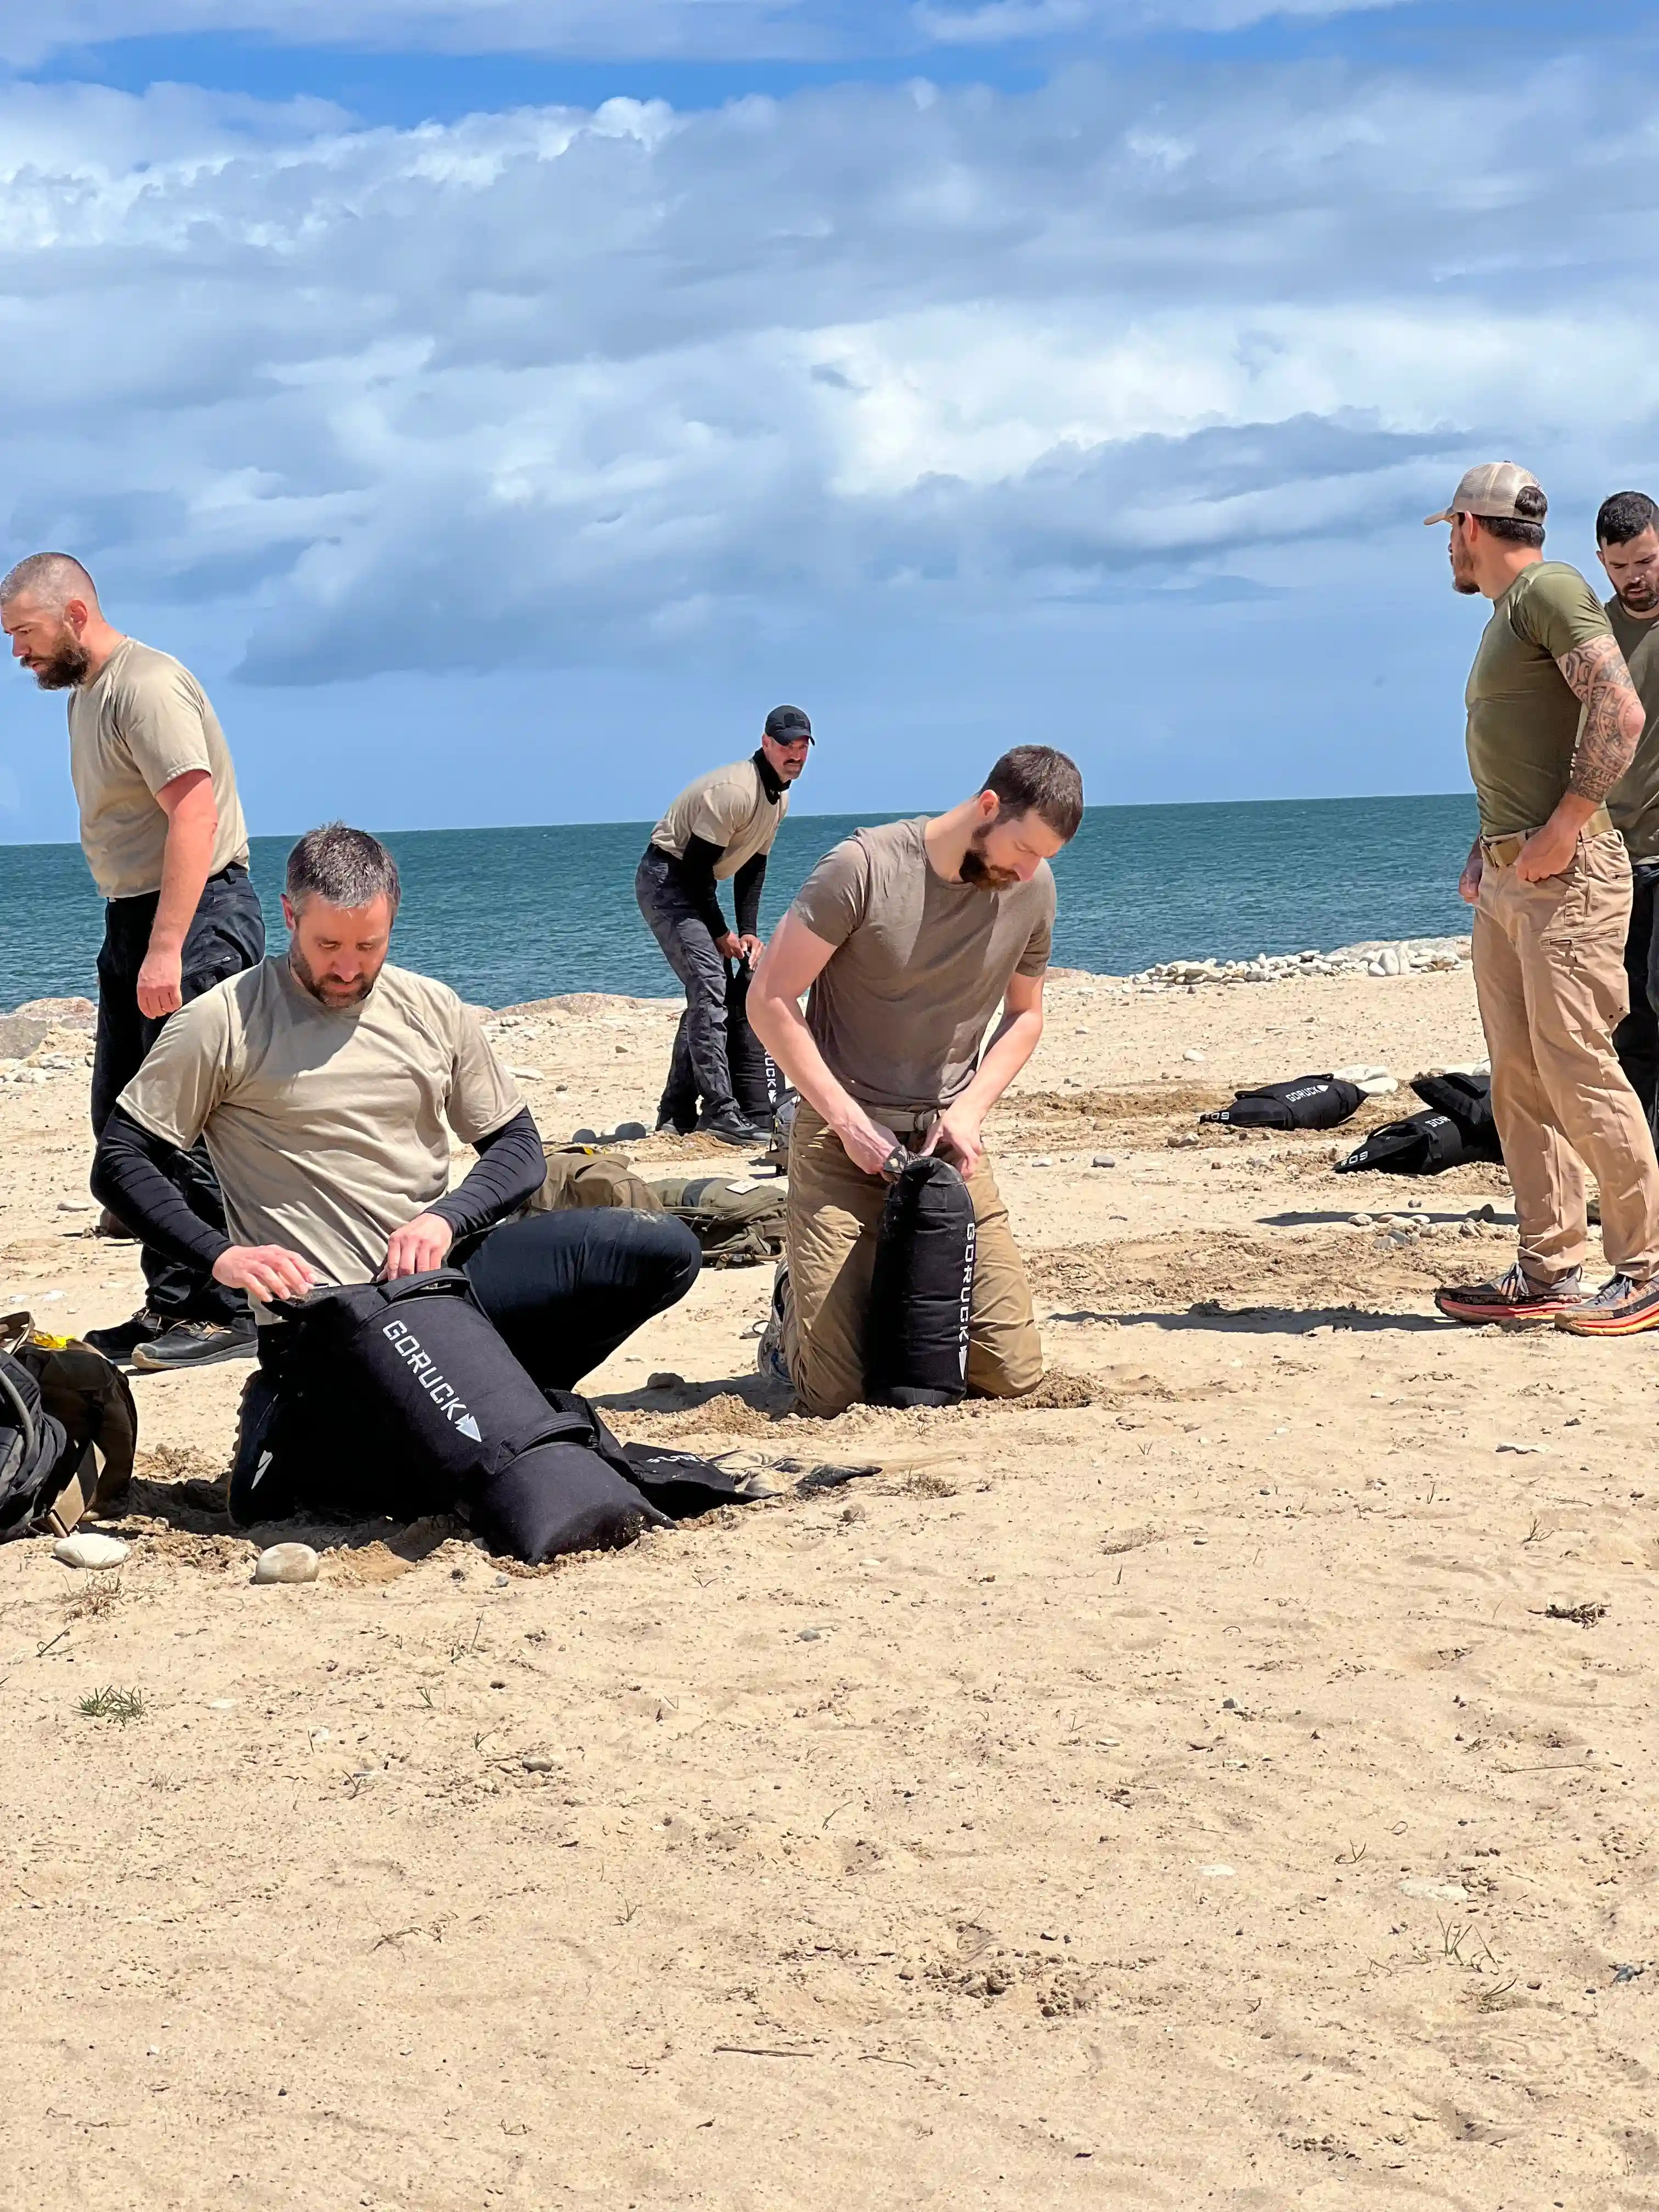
<point x="326" y="1083"/>
<point x="162" y="829"/>
<point x="1553" y="722"/>
<point x="908" y="938"/>
<point x="1627" y="546"/>
<point x="720" y="829"/>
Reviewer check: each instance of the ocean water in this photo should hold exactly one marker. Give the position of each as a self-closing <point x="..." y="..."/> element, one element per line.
<point x="509" y="914"/>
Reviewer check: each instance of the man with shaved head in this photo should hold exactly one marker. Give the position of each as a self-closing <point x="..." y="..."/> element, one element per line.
<point x="162" y="830"/>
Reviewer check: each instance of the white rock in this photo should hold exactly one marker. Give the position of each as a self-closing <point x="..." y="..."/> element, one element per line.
<point x="1192" y="1055"/>
<point x="1043" y="1160"/>
<point x="89" y="1551"/>
<point x="287" y="1563"/>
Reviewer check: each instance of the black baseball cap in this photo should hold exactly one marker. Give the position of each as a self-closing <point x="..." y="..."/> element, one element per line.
<point x="786" y="723"/>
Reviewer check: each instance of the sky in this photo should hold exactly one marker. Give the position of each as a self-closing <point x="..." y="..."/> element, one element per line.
<point x="501" y="404"/>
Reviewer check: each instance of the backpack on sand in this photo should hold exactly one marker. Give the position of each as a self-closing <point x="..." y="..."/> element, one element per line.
<point x="587" y="1175"/>
<point x="737" y="1221"/>
<point x="1311" y="1102"/>
<point x="69" y="1430"/>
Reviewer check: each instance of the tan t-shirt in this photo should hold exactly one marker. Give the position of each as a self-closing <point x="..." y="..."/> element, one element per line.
<point x="1633" y="802"/>
<point x="901" y="1009"/>
<point x="327" y="1129"/>
<point x="143" y="720"/>
<point x="1523" y="715"/>
<point x="727" y="807"/>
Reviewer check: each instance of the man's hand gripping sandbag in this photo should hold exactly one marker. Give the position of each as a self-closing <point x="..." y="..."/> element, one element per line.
<point x="403" y="1399"/>
<point x="915" y="1349"/>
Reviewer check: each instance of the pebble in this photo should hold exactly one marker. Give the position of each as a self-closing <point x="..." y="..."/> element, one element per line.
<point x="1360" y="1221"/>
<point x="1103" y="1160"/>
<point x="665" y="1379"/>
<point x="75" y="1206"/>
<point x="287" y="1563"/>
<point x="89" y="1552"/>
<point x="809" y="1636"/>
<point x="1043" y="1160"/>
<point x="1192" y="1055"/>
<point x="538" y="1765"/>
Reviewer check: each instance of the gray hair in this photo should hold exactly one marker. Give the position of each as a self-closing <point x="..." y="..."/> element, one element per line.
<point x="54" y="578"/>
<point x="343" y="868"/>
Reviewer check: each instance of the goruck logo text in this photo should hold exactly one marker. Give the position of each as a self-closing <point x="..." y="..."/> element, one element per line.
<point x="407" y="1345"/>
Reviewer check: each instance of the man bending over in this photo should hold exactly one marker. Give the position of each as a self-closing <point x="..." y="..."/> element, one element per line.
<point x="326" y="1083"/>
<point x="908" y="938"/>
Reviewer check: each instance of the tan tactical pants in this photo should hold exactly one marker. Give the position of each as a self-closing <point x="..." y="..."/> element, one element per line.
<point x="830" y="1244"/>
<point x="1549" y="973"/>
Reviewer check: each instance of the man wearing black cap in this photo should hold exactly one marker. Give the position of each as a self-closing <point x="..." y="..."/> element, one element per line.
<point x="720" y="827"/>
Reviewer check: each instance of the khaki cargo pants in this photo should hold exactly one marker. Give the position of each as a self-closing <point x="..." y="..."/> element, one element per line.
<point x="830" y="1245"/>
<point x="1549" y="973"/>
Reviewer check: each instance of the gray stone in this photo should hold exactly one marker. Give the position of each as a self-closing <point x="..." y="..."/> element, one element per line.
<point x="89" y="1551"/>
<point x="287" y="1563"/>
<point x="1104" y="1160"/>
<point x="22" y="1034"/>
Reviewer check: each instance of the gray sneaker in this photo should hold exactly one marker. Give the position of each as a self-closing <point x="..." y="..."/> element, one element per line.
<point x="769" y="1353"/>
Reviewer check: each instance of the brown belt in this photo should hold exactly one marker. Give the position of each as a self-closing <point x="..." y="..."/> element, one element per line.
<point x="1503" y="852"/>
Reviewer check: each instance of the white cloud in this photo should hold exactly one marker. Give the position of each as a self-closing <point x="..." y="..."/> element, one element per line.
<point x="554" y="387"/>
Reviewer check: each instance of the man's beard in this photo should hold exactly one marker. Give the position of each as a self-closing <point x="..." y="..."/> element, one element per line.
<point x="1463" y="577"/>
<point x="66" y="666"/>
<point x="978" y="870"/>
<point x="1642" y="596"/>
<point x="335" y="996"/>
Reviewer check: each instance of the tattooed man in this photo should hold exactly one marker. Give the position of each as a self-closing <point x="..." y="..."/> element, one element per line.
<point x="1553" y="724"/>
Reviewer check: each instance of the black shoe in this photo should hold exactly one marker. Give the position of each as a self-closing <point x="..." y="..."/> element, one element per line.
<point x="196" y="1344"/>
<point x="728" y="1127"/>
<point x="669" y="1127"/>
<point x="120" y="1342"/>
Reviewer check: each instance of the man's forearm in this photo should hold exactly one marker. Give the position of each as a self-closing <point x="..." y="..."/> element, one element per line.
<point x="1613" y="721"/>
<point x="779" y="1025"/>
<point x="127" y="1177"/>
<point x="1017" y="1037"/>
<point x="186" y="860"/>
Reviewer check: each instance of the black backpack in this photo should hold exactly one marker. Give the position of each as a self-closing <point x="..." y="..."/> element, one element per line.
<point x="36" y="1461"/>
<point x="1311" y="1102"/>
<point x="1423" y="1145"/>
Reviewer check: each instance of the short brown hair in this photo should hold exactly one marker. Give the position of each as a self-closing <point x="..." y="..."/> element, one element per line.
<point x="343" y="868"/>
<point x="1036" y="778"/>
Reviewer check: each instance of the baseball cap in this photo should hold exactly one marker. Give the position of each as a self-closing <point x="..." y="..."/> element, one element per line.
<point x="1490" y="489"/>
<point x="787" y="724"/>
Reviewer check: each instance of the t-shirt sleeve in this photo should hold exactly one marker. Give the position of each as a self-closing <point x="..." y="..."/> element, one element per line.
<point x="185" y="1073"/>
<point x="1560" y="613"/>
<point x="1040" y="943"/>
<point x="483" y="1095"/>
<point x="719" y="811"/>
<point x="836" y="897"/>
<point x="159" y="720"/>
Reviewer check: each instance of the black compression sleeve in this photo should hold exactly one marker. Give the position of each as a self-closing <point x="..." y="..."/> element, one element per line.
<point x="511" y="1167"/>
<point x="695" y="869"/>
<point x="746" y="895"/>
<point x="128" y="1176"/>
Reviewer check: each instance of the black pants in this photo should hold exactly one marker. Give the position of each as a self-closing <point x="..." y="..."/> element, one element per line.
<point x="564" y="1289"/>
<point x="227" y="934"/>
<point x="700" y="1069"/>
<point x="1636" y="1040"/>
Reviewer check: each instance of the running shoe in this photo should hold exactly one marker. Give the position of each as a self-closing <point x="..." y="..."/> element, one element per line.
<point x="196" y="1344"/>
<point x="728" y="1127"/>
<point x="1620" y="1308"/>
<point x="119" y="1342"/>
<point x="769" y="1353"/>
<point x="1513" y="1300"/>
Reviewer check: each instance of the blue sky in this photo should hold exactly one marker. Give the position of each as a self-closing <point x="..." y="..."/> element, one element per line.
<point x="502" y="402"/>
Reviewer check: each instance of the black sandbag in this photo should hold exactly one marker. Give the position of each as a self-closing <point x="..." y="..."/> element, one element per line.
<point x="1423" y="1145"/>
<point x="1466" y="1100"/>
<point x="915" y="1345"/>
<point x="680" y="1484"/>
<point x="754" y="1073"/>
<point x="402" y="1399"/>
<point x="1311" y="1102"/>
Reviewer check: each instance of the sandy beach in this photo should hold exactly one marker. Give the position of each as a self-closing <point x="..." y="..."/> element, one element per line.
<point x="1223" y="1780"/>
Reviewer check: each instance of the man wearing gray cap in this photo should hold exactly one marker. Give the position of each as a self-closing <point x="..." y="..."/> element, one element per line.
<point x="1553" y="723"/>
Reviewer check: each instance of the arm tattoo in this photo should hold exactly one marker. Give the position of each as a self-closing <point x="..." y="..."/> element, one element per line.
<point x="1597" y="675"/>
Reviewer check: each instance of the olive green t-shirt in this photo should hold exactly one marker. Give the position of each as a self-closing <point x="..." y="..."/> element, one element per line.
<point x="1523" y="714"/>
<point x="1633" y="802"/>
<point x="142" y="721"/>
<point x="901" y="1008"/>
<point x="727" y="807"/>
<point x="327" y="1128"/>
